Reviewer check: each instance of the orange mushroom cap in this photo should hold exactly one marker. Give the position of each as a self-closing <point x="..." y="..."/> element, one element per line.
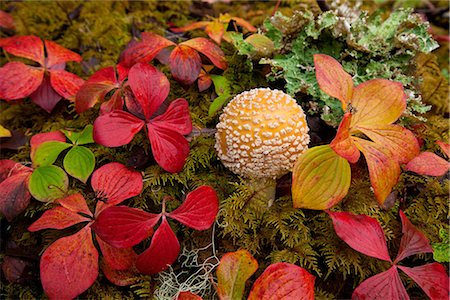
<point x="261" y="133"/>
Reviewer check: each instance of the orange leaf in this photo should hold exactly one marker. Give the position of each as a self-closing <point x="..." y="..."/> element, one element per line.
<point x="332" y="78"/>
<point x="383" y="171"/>
<point x="397" y="140"/>
<point x="234" y="269"/>
<point x="195" y="25"/>
<point x="427" y="163"/>
<point x="377" y="101"/>
<point x="343" y="144"/>
<point x="320" y="178"/>
<point x="215" y="30"/>
<point x="209" y="49"/>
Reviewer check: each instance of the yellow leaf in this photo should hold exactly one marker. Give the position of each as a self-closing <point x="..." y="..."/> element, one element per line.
<point x="4" y="132"/>
<point x="320" y="178"/>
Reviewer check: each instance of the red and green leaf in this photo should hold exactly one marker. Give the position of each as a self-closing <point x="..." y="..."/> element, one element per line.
<point x="163" y="251"/>
<point x="232" y="273"/>
<point x="432" y="278"/>
<point x="315" y="183"/>
<point x="428" y="163"/>
<point x="386" y="285"/>
<point x="199" y="210"/>
<point x="124" y="227"/>
<point x="332" y="78"/>
<point x="17" y="80"/>
<point x="47" y="153"/>
<point x="114" y="183"/>
<point x="362" y="233"/>
<point x="116" y="128"/>
<point x="283" y="281"/>
<point x="37" y="139"/>
<point x="413" y="241"/>
<point x="69" y="266"/>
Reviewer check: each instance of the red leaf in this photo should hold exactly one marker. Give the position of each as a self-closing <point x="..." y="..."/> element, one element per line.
<point x="69" y="266"/>
<point x="95" y="89"/>
<point x="343" y="144"/>
<point x="163" y="251"/>
<point x="18" y="80"/>
<point x="75" y="203"/>
<point x="332" y="78"/>
<point x="283" y="281"/>
<point x="115" y="103"/>
<point x="57" y="54"/>
<point x="191" y="26"/>
<point x="383" y="170"/>
<point x="119" y="277"/>
<point x="29" y="46"/>
<point x="383" y="286"/>
<point x="362" y="233"/>
<point x="117" y="258"/>
<point x="413" y="241"/>
<point x="6" y="21"/>
<point x="185" y="64"/>
<point x="114" y="183"/>
<point x="176" y="117"/>
<point x="45" y="96"/>
<point x="145" y="50"/>
<point x="188" y="296"/>
<point x="66" y="84"/>
<point x="170" y="149"/>
<point x="199" y="210"/>
<point x="445" y="147"/>
<point x="40" y="138"/>
<point x="124" y="227"/>
<point x="14" y="268"/>
<point x="57" y="218"/>
<point x="209" y="49"/>
<point x="150" y="87"/>
<point x="427" y="163"/>
<point x="432" y="278"/>
<point x="116" y="128"/>
<point x="15" y="196"/>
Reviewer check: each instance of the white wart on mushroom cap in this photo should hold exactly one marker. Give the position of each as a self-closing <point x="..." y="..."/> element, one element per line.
<point x="261" y="133"/>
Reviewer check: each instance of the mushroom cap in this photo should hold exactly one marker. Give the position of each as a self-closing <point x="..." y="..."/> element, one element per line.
<point x="261" y="133"/>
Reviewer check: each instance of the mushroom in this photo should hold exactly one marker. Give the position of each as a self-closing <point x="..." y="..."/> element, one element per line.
<point x="261" y="133"/>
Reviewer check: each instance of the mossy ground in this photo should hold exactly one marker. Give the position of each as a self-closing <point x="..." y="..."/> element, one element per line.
<point x="99" y="31"/>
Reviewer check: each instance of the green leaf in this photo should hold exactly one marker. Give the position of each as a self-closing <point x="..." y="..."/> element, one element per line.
<point x="47" y="153"/>
<point x="217" y="104"/>
<point x="441" y="251"/>
<point x="79" y="162"/>
<point x="221" y="85"/>
<point x="233" y="271"/>
<point x="80" y="138"/>
<point x="48" y="183"/>
<point x="320" y="178"/>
